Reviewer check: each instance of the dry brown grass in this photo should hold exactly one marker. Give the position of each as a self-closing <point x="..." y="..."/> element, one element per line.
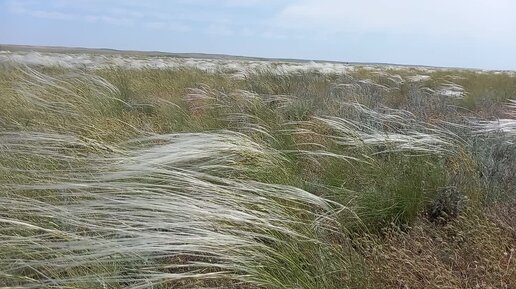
<point x="477" y="250"/>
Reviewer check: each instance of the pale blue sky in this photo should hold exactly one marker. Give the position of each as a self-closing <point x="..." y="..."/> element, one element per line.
<point x="461" y="33"/>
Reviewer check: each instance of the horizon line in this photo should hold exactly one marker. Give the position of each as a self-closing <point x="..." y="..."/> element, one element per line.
<point x="106" y="50"/>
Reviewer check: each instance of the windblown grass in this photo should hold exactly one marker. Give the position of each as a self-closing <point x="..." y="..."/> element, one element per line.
<point x="186" y="179"/>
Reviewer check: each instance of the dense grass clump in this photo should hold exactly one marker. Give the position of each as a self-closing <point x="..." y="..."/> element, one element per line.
<point x="182" y="178"/>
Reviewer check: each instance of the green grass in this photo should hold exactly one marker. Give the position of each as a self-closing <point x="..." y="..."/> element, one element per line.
<point x="182" y="178"/>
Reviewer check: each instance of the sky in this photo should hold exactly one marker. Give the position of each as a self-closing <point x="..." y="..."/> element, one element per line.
<point x="453" y="33"/>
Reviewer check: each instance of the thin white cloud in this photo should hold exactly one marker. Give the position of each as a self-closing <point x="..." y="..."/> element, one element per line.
<point x="25" y="8"/>
<point x="126" y="13"/>
<point x="229" y="3"/>
<point x="247" y="32"/>
<point x="474" y="18"/>
<point x="246" y="3"/>
<point x="271" y="34"/>
<point x="51" y="15"/>
<point x="219" y="30"/>
<point x="119" y="21"/>
<point x="167" y="25"/>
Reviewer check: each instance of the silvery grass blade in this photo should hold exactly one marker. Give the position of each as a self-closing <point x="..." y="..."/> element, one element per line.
<point x="152" y="211"/>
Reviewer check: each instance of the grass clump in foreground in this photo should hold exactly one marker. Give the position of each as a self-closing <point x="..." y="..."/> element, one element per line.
<point x="184" y="179"/>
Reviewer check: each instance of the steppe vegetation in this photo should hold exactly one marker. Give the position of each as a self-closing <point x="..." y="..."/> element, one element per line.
<point x="185" y="178"/>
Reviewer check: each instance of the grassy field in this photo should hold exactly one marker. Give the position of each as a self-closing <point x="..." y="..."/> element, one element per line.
<point x="187" y="178"/>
